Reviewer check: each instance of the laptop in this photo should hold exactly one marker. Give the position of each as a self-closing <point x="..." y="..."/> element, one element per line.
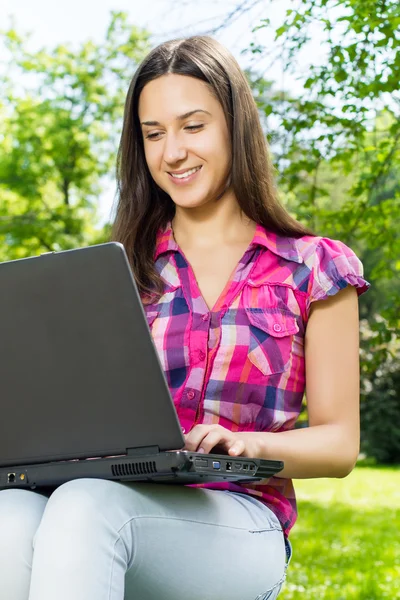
<point x="82" y="390"/>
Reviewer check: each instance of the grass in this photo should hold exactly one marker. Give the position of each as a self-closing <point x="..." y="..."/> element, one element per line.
<point x="346" y="542"/>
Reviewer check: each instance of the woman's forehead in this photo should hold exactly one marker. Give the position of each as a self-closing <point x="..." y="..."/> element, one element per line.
<point x="170" y="96"/>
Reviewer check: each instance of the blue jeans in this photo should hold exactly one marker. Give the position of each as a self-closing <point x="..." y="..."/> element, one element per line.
<point x="94" y="539"/>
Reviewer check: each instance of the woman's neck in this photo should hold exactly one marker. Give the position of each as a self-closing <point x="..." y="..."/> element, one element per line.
<point x="212" y="225"/>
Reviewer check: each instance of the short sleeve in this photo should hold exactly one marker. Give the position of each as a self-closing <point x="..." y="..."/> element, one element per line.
<point x="335" y="266"/>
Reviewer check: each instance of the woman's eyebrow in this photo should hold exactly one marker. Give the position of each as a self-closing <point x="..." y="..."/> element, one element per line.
<point x="180" y="117"/>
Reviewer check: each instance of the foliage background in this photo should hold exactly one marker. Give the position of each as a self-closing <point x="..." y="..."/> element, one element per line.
<point x="335" y="145"/>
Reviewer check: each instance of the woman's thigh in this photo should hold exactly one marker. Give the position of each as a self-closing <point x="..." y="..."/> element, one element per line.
<point x="205" y="545"/>
<point x="151" y="541"/>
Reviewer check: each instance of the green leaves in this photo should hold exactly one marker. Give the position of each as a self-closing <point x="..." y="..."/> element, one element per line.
<point x="337" y="146"/>
<point x="59" y="135"/>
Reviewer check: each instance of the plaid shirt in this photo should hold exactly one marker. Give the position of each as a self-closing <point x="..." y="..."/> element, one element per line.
<point x="242" y="365"/>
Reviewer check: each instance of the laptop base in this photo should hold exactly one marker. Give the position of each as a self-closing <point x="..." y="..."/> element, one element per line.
<point x="179" y="467"/>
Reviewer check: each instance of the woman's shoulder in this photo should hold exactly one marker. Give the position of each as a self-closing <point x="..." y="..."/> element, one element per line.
<point x="313" y="247"/>
<point x="304" y="249"/>
<point x="317" y="266"/>
<point x="331" y="265"/>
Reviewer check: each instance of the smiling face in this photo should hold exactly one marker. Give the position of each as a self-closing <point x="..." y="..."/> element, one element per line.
<point x="186" y="139"/>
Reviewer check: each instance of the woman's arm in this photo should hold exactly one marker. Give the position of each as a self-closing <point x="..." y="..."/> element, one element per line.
<point x="329" y="446"/>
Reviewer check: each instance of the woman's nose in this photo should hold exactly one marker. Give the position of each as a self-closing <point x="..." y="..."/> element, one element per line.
<point x="174" y="150"/>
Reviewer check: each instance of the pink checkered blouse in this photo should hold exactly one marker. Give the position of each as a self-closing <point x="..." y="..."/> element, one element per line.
<point x="242" y="365"/>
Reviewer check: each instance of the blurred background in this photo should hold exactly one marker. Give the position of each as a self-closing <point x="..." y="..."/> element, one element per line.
<point x="325" y="75"/>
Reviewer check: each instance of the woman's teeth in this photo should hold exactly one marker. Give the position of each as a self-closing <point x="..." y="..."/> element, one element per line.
<point x="186" y="174"/>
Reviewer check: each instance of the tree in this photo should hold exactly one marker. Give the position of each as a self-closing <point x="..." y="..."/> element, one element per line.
<point x="347" y="121"/>
<point x="338" y="162"/>
<point x="58" y="137"/>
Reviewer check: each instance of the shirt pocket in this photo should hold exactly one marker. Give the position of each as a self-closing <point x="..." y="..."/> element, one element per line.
<point x="271" y="339"/>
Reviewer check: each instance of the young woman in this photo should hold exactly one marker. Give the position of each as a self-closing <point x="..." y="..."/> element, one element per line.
<point x="246" y="306"/>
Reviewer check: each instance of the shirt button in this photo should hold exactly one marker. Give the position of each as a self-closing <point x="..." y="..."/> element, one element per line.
<point x="202" y="355"/>
<point x="205" y="317"/>
<point x="277" y="327"/>
<point x="183" y="430"/>
<point x="190" y="394"/>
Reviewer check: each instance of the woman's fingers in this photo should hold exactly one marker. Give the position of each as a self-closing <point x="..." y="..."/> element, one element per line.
<point x="237" y="448"/>
<point x="203" y="438"/>
<point x="222" y="438"/>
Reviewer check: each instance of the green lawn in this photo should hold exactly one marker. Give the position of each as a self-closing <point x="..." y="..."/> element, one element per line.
<point x="347" y="538"/>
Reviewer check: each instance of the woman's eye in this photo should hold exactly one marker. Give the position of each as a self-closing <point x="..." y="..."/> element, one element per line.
<point x="152" y="136"/>
<point x="156" y="135"/>
<point x="194" y="127"/>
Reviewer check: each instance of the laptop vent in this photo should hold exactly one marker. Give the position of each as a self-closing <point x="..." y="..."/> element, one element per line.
<point x="137" y="468"/>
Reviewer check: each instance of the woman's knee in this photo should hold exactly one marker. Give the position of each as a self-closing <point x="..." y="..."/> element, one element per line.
<point x="79" y="498"/>
<point x="20" y="514"/>
<point x="79" y="518"/>
<point x="77" y="506"/>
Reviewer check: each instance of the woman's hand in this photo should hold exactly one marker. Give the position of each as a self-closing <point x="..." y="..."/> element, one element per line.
<point x="203" y="438"/>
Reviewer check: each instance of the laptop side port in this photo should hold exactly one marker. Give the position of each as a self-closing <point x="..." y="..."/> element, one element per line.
<point x="238" y="467"/>
<point x="229" y="466"/>
<point x="11" y="477"/>
<point x="245" y="467"/>
<point x="216" y="464"/>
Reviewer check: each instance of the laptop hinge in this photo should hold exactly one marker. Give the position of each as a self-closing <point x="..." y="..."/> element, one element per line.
<point x="144" y="450"/>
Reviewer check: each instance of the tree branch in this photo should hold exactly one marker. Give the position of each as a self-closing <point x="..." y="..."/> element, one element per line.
<point x="65" y="188"/>
<point x="238" y="11"/>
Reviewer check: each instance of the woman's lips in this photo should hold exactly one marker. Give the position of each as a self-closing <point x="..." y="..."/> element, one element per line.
<point x="184" y="180"/>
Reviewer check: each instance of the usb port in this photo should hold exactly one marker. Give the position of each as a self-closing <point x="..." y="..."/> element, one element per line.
<point x="216" y="464"/>
<point x="229" y="466"/>
<point x="245" y="467"/>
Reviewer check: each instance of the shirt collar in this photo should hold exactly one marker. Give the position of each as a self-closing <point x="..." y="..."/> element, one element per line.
<point x="285" y="247"/>
<point x="165" y="241"/>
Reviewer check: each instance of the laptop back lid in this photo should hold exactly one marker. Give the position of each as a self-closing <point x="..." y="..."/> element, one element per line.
<point x="79" y="374"/>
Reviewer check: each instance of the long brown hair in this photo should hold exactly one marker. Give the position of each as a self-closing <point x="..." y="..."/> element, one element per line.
<point x="143" y="207"/>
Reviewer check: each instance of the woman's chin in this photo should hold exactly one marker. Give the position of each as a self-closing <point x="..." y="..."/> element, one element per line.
<point x="188" y="203"/>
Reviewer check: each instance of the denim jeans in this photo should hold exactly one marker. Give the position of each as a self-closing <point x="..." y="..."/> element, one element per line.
<point x="94" y="539"/>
